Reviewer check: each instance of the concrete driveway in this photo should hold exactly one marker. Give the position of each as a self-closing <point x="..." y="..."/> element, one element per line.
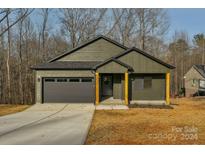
<point x="47" y="124"/>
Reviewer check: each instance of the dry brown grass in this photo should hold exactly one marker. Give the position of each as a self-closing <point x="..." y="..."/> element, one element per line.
<point x="9" y="109"/>
<point x="145" y="125"/>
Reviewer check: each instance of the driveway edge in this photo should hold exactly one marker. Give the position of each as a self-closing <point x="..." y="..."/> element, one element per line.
<point x="88" y="128"/>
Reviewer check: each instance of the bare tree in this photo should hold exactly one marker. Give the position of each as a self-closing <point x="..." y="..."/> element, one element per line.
<point x="44" y="31"/>
<point x="113" y="22"/>
<point x="5" y="13"/>
<point x="199" y="41"/>
<point x="8" y="56"/>
<point x="124" y="25"/>
<point x="151" y="22"/>
<point x="81" y="24"/>
<point x="179" y="49"/>
<point x="20" y="48"/>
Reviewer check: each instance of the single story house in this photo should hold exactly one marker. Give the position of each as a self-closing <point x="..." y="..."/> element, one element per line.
<point x="103" y="68"/>
<point x="194" y="81"/>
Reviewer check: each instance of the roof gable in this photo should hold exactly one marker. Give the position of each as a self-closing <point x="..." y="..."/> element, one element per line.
<point x="112" y="66"/>
<point x="146" y="55"/>
<point x="112" y="60"/>
<point x="87" y="44"/>
<point x="200" y="69"/>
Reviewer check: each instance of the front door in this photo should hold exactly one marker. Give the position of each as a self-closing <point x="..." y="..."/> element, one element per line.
<point x="107" y="85"/>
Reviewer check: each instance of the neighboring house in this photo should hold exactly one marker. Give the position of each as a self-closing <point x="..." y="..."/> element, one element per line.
<point x="103" y="68"/>
<point x="195" y="81"/>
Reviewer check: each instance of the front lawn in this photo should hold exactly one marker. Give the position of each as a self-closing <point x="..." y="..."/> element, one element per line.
<point x="184" y="124"/>
<point x="10" y="108"/>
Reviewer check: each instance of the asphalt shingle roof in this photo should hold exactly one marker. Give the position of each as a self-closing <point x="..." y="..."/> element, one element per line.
<point x="67" y="65"/>
<point x="200" y="69"/>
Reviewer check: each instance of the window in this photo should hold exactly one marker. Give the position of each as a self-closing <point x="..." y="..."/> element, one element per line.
<point x="107" y="80"/>
<point x="147" y="82"/>
<point x="49" y="80"/>
<point x="74" y="80"/>
<point x="194" y="82"/>
<point x="202" y="84"/>
<point x="86" y="80"/>
<point x="139" y="84"/>
<point x="62" y="80"/>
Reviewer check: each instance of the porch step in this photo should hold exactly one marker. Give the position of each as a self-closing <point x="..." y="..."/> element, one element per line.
<point x="149" y="102"/>
<point x="112" y="103"/>
<point x="111" y="107"/>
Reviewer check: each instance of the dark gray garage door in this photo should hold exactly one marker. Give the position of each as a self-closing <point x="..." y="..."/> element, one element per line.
<point x="74" y="90"/>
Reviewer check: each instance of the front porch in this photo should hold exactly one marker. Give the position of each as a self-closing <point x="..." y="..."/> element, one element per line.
<point x="111" y="89"/>
<point x="116" y="89"/>
<point x="117" y="83"/>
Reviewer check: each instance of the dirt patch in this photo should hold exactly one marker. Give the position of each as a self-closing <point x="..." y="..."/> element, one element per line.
<point x="184" y="124"/>
<point x="9" y="109"/>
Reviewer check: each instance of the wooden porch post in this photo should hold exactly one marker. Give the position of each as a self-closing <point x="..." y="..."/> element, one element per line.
<point x="167" y="88"/>
<point x="126" y="88"/>
<point x="97" y="100"/>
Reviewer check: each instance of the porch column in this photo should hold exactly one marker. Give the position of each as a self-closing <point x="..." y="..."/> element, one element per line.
<point x="167" y="88"/>
<point x="126" y="88"/>
<point x="97" y="88"/>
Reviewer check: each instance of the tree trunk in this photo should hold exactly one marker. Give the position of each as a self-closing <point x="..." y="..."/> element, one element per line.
<point x="8" y="62"/>
<point x="203" y="54"/>
<point x="21" y="91"/>
<point x="142" y="29"/>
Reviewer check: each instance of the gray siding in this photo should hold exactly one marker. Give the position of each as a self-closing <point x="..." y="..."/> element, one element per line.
<point x="96" y="51"/>
<point x="142" y="64"/>
<point x="156" y="92"/>
<point x="50" y="73"/>
<point x="191" y="75"/>
<point x="117" y="86"/>
<point x="112" y="67"/>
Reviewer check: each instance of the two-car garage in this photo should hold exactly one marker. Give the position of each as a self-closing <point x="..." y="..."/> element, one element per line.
<point x="68" y="90"/>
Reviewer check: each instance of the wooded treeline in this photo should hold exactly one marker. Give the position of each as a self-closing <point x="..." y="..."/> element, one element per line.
<point x="32" y="36"/>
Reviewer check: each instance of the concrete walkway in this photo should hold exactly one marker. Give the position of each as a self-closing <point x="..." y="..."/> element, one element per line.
<point x="47" y="124"/>
<point x="111" y="107"/>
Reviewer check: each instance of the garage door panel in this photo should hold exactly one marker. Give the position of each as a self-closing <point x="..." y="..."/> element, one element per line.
<point x="68" y="91"/>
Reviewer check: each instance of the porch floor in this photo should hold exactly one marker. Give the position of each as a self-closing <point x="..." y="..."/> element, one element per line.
<point x="112" y="101"/>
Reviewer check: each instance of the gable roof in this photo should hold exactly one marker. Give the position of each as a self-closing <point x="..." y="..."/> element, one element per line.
<point x="110" y="60"/>
<point x="87" y="43"/>
<point x="80" y="65"/>
<point x="200" y="69"/>
<point x="146" y="55"/>
<point x="67" y="65"/>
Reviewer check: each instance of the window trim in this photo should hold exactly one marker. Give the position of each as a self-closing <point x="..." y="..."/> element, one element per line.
<point x="86" y="80"/>
<point x="49" y="80"/>
<point x="74" y="80"/>
<point x="62" y="80"/>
